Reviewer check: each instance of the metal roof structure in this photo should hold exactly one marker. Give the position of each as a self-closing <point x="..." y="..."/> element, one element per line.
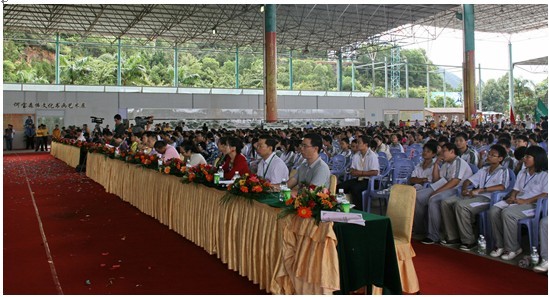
<point x="307" y="26"/>
<point x="533" y="62"/>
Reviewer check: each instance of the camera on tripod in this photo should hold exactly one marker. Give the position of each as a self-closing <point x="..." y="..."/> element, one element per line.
<point x="97" y="120"/>
<point x="143" y="121"/>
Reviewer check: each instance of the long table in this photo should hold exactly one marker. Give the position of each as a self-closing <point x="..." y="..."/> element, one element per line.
<point x="66" y="153"/>
<point x="284" y="256"/>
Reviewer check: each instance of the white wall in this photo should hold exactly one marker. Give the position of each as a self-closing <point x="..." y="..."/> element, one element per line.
<point x="204" y="106"/>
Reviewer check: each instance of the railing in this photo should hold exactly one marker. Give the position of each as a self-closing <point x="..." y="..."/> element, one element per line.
<point x="171" y="90"/>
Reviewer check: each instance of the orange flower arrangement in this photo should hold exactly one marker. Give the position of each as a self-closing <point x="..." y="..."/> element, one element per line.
<point x="202" y="174"/>
<point x="309" y="201"/>
<point x="249" y="186"/>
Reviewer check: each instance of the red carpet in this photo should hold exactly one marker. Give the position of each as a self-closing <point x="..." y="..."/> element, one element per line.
<point x="445" y="271"/>
<point x="102" y="245"/>
<point x="99" y="244"/>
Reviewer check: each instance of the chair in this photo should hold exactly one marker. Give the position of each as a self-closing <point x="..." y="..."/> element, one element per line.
<point x="400" y="173"/>
<point x="417" y="159"/>
<point x="382" y="154"/>
<point x="474" y="168"/>
<point x="399" y="155"/>
<point x="324" y="157"/>
<point x="394" y="150"/>
<point x="484" y="226"/>
<point x="410" y="152"/>
<point x="400" y="210"/>
<point x="333" y="184"/>
<point x="384" y="169"/>
<point x="532" y="223"/>
<point x="402" y="170"/>
<point x="338" y="165"/>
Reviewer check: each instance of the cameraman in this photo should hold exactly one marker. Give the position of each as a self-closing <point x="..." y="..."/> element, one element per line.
<point x="119" y="127"/>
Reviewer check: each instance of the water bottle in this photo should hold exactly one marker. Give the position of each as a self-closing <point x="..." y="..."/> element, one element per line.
<point x="188" y="164"/>
<point x="236" y="175"/>
<point x="340" y="196"/>
<point x="534" y="256"/>
<point x="221" y="173"/>
<point x="481" y="245"/>
<point x="283" y="187"/>
<point x="283" y="184"/>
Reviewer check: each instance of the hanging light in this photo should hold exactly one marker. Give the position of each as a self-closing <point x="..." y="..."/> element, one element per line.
<point x="214" y="30"/>
<point x="262" y="8"/>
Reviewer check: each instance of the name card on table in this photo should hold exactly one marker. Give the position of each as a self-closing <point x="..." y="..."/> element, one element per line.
<point x="342" y="217"/>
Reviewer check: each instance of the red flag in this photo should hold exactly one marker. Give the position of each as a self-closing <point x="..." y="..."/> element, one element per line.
<point x="512" y="115"/>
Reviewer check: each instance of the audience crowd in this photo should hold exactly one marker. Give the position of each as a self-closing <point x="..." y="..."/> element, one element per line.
<point x="457" y="167"/>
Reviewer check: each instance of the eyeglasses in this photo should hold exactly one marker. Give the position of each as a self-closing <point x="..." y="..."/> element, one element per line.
<point x="302" y="145"/>
<point x="493" y="156"/>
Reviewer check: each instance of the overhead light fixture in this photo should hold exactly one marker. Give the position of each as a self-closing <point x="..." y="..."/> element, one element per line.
<point x="262" y="8"/>
<point x="214" y="31"/>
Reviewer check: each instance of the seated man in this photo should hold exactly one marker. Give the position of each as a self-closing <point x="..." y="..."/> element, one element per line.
<point x="464" y="151"/>
<point x="271" y="167"/>
<point x="167" y="152"/>
<point x="423" y="172"/>
<point x="509" y="161"/>
<point x="459" y="212"/>
<point x="313" y="171"/>
<point x="445" y="181"/>
<point x="363" y="165"/>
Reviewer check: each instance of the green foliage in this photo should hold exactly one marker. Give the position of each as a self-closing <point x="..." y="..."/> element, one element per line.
<point x="151" y="63"/>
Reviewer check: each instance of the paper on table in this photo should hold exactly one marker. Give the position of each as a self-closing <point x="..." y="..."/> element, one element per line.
<point x="475" y="204"/>
<point x="439" y="183"/>
<point x="226" y="182"/>
<point x="333" y="216"/>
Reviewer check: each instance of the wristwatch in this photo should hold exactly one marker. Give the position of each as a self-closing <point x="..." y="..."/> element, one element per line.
<point x="484" y="189"/>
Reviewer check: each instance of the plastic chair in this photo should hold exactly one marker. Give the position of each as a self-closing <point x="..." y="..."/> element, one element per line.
<point x="324" y="157"/>
<point x="399" y="155"/>
<point x="400" y="173"/>
<point x="417" y="159"/>
<point x="338" y="165"/>
<point x="402" y="170"/>
<point x="532" y="223"/>
<point x="484" y="226"/>
<point x="384" y="169"/>
<point x="410" y="152"/>
<point x="382" y="154"/>
<point x="394" y="150"/>
<point x="474" y="168"/>
<point x="400" y="210"/>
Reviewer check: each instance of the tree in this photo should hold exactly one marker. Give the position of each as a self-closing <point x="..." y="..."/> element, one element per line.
<point x="494" y="97"/>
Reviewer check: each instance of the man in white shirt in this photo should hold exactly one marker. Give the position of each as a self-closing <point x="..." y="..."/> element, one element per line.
<point x="459" y="212"/>
<point x="271" y="167"/>
<point x="364" y="164"/>
<point x="445" y="181"/>
<point x="466" y="153"/>
<point x="80" y="135"/>
<point x="423" y="172"/>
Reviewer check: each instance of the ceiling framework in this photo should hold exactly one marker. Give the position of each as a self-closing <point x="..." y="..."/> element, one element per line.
<point x="315" y="27"/>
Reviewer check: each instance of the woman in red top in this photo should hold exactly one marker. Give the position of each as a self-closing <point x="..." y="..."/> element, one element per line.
<point x="235" y="161"/>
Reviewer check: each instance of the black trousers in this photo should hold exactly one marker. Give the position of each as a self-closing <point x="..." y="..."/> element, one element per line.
<point x="355" y="188"/>
<point x="29" y="142"/>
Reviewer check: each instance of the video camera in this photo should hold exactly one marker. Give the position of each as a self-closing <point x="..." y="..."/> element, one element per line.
<point x="143" y="121"/>
<point x="97" y="120"/>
